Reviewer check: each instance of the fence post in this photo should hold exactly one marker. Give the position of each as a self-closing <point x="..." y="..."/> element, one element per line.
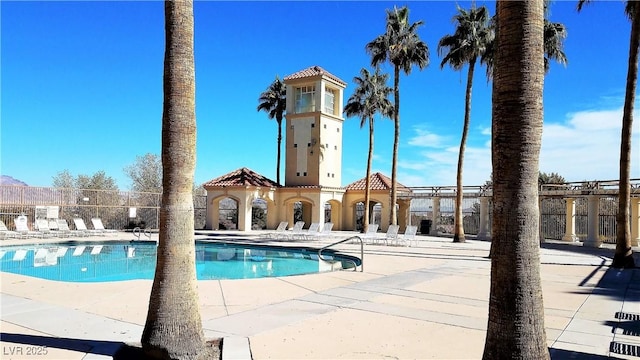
<point x="483" y="231"/>
<point x="593" y="228"/>
<point x="635" y="220"/>
<point x="570" y="221"/>
<point x="435" y="216"/>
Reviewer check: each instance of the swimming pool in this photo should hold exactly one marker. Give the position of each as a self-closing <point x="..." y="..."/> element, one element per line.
<point x="118" y="261"/>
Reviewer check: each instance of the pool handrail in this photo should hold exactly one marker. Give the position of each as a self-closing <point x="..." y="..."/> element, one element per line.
<point x="137" y="232"/>
<point x="355" y="266"/>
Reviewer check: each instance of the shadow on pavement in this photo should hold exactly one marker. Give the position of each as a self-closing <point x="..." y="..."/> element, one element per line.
<point x="81" y="345"/>
<point x="115" y="349"/>
<point x="559" y="354"/>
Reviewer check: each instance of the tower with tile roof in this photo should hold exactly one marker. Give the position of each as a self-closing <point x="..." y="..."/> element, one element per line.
<point x="314" y="128"/>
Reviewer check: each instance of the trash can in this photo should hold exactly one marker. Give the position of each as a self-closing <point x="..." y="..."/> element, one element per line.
<point x="425" y="226"/>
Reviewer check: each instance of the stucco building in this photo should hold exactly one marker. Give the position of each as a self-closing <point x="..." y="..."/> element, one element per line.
<point x="313" y="166"/>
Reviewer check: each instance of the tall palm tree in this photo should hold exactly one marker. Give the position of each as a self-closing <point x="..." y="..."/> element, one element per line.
<point x="515" y="327"/>
<point x="465" y="46"/>
<point x="371" y="96"/>
<point x="273" y="101"/>
<point x="554" y="35"/>
<point x="402" y="47"/>
<point x="173" y="328"/>
<point x="623" y="257"/>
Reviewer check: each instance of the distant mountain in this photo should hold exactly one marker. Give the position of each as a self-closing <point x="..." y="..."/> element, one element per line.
<point x="8" y="180"/>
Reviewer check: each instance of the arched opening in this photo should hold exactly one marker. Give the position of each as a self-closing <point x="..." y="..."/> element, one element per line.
<point x="333" y="213"/>
<point x="327" y="212"/>
<point x="259" y="214"/>
<point x="228" y="214"/>
<point x="375" y="214"/>
<point x="299" y="210"/>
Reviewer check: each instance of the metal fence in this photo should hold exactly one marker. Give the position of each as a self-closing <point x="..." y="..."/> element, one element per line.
<point x="117" y="209"/>
<point x="553" y="218"/>
<point x="126" y="210"/>
<point x="422" y="210"/>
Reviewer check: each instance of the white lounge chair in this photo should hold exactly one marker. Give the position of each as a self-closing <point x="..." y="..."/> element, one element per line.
<point x="408" y="236"/>
<point x="392" y="234"/>
<point x="97" y="225"/>
<point x="63" y="227"/>
<point x="326" y="230"/>
<point x="279" y="231"/>
<point x="43" y="227"/>
<point x="295" y="231"/>
<point x="23" y="229"/>
<point x="311" y="232"/>
<point x="5" y="233"/>
<point x="372" y="232"/>
<point x="80" y="226"/>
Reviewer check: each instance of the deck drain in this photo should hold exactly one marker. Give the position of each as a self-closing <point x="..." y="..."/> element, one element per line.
<point x="627" y="316"/>
<point x="624" y="349"/>
<point x="629" y="323"/>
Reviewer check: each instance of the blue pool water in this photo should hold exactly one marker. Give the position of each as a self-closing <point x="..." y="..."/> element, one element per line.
<point x="117" y="261"/>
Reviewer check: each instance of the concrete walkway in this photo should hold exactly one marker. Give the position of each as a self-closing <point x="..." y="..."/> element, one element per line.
<point x="424" y="302"/>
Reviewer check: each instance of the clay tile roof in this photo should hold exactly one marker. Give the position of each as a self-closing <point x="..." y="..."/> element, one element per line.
<point x="241" y="177"/>
<point x="378" y="181"/>
<point x="314" y="71"/>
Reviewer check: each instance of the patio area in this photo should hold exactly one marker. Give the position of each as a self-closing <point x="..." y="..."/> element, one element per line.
<point x="426" y="302"/>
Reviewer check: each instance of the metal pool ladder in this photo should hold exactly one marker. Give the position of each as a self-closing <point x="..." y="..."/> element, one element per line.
<point x="355" y="266"/>
<point x="137" y="232"/>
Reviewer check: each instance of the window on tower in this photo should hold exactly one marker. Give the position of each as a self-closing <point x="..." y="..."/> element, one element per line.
<point x="329" y="100"/>
<point x="305" y="97"/>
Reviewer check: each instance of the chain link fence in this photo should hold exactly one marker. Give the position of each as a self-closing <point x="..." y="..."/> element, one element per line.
<point x="118" y="209"/>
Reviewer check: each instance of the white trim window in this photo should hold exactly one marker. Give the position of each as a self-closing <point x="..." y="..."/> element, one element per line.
<point x="305" y="97"/>
<point x="329" y="100"/>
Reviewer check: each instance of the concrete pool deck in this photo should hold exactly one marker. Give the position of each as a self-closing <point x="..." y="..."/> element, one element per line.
<point x="424" y="302"/>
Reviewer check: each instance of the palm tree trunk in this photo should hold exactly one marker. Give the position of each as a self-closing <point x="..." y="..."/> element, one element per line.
<point x="458" y="234"/>
<point x="515" y="327"/>
<point x="623" y="257"/>
<point x="279" y="120"/>
<point x="396" y="140"/>
<point x="367" y="183"/>
<point x="173" y="328"/>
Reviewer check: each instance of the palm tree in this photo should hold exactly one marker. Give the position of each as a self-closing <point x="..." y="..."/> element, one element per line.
<point x="623" y="257"/>
<point x="554" y="35"/>
<point x="273" y="101"/>
<point x="402" y="47"/>
<point x="173" y="328"/>
<point x="370" y="97"/>
<point x="465" y="46"/>
<point x="515" y="327"/>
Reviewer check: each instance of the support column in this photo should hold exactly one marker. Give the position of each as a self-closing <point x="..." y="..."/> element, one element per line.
<point x="309" y="215"/>
<point x="570" y="221"/>
<point x="385" y="216"/>
<point x="634" y="210"/>
<point x="215" y="215"/>
<point x="483" y="231"/>
<point x="244" y="212"/>
<point x="593" y="228"/>
<point x="272" y="216"/>
<point x="317" y="216"/>
<point x="290" y="214"/>
<point x="404" y="214"/>
<point x="435" y="216"/>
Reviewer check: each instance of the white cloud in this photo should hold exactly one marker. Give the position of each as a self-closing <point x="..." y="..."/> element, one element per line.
<point x="586" y="146"/>
<point x="425" y="138"/>
<point x="437" y="166"/>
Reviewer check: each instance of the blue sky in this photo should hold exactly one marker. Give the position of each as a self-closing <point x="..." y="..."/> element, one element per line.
<point x="82" y="89"/>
